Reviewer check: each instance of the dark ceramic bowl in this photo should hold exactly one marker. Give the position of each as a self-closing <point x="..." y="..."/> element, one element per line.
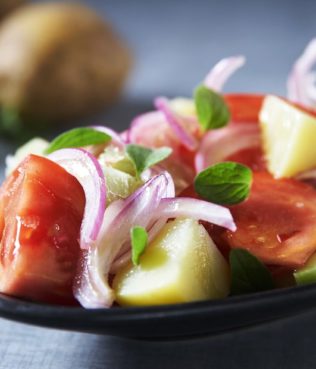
<point x="173" y="321"/>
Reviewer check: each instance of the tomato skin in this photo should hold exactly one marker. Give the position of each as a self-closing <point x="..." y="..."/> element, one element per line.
<point x="41" y="210"/>
<point x="277" y="223"/>
<point x="244" y="108"/>
<point x="252" y="157"/>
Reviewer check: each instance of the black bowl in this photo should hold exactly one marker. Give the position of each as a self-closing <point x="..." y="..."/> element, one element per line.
<point x="172" y="321"/>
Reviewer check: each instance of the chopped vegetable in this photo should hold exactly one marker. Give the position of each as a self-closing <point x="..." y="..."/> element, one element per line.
<point x="220" y="73"/>
<point x="41" y="209"/>
<point x="171" y="271"/>
<point x="36" y="146"/>
<point x="277" y="223"/>
<point x="288" y="135"/>
<point x="88" y="172"/>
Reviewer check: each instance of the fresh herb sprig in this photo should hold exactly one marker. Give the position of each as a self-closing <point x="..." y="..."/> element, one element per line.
<point x="78" y="137"/>
<point x="144" y="158"/>
<point x="211" y="108"/>
<point x="226" y="183"/>
<point x="248" y="274"/>
<point x="139" y="240"/>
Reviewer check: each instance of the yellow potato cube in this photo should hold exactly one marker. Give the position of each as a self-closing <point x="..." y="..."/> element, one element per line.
<point x="289" y="136"/>
<point x="182" y="264"/>
<point x="183" y="106"/>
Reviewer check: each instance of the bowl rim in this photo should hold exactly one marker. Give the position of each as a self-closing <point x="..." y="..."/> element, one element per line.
<point x="10" y="305"/>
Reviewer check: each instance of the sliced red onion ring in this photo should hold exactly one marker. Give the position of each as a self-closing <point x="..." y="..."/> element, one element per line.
<point x="301" y="83"/>
<point x="88" y="172"/>
<point x="142" y="128"/>
<point x="196" y="209"/>
<point x="92" y="287"/>
<point x="125" y="255"/>
<point x="177" y="123"/>
<point x="124" y="136"/>
<point x="221" y="143"/>
<point x="221" y="72"/>
<point x="116" y="137"/>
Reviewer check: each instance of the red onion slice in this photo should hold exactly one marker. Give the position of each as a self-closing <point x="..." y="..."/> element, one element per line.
<point x="151" y="130"/>
<point x="196" y="209"/>
<point x="88" y="172"/>
<point x="141" y="133"/>
<point x="221" y="143"/>
<point x="177" y="123"/>
<point x="221" y="72"/>
<point x="124" y="136"/>
<point x="92" y="286"/>
<point x="301" y="84"/>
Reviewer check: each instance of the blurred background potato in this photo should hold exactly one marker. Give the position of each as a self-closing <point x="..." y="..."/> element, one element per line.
<point x="59" y="62"/>
<point x="7" y="6"/>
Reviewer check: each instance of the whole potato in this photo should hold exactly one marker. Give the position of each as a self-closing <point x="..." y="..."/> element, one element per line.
<point x="8" y="5"/>
<point x="59" y="62"/>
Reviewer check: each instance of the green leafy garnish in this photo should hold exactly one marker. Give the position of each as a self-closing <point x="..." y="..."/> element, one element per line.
<point x="211" y="108"/>
<point x="224" y="183"/>
<point x="248" y="274"/>
<point x="139" y="240"/>
<point x="144" y="158"/>
<point x="78" y="137"/>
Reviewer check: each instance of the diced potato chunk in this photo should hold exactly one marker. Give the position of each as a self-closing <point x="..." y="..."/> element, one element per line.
<point x="119" y="172"/>
<point x="182" y="264"/>
<point x="289" y="136"/>
<point x="183" y="106"/>
<point x="119" y="184"/>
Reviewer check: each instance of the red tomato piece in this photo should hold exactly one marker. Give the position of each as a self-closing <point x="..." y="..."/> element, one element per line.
<point x="41" y="210"/>
<point x="277" y="223"/>
<point x="244" y="108"/>
<point x="252" y="157"/>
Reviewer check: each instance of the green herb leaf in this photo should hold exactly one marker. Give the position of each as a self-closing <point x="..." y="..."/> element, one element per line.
<point x="224" y="183"/>
<point x="144" y="158"/>
<point x="211" y="108"/>
<point x="139" y="240"/>
<point x="248" y="273"/>
<point x="78" y="137"/>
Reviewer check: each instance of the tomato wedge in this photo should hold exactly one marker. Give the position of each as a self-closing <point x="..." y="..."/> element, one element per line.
<point x="252" y="157"/>
<point x="244" y="108"/>
<point x="277" y="223"/>
<point x="41" y="210"/>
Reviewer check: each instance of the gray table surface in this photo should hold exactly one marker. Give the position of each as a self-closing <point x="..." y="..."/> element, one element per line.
<point x="175" y="43"/>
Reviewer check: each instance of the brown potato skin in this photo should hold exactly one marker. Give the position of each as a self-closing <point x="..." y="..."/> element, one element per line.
<point x="59" y="62"/>
<point x="6" y="6"/>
